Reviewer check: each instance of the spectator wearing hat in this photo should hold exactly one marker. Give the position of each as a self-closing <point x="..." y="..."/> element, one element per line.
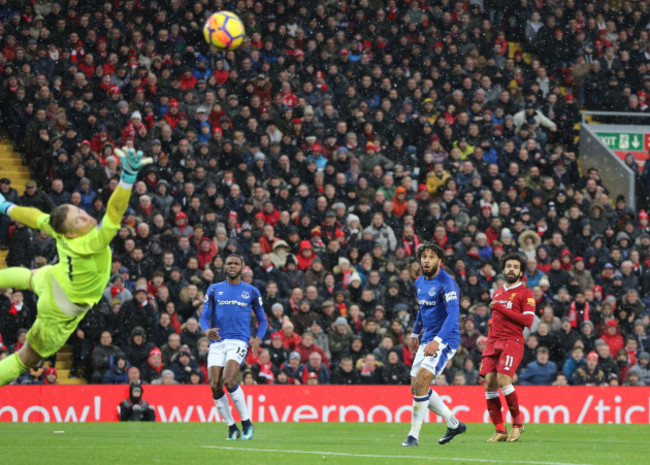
<point x="137" y="349"/>
<point x="605" y="359"/>
<point x="117" y="370"/>
<point x="137" y="312"/>
<point x="135" y="408"/>
<point x="590" y="374"/>
<point x="293" y="369"/>
<point x="642" y="368"/>
<point x="33" y="197"/>
<point x="613" y="337"/>
<point x="152" y="369"/>
<point x="340" y="337"/>
<point x="116" y="292"/>
<point x="184" y="364"/>
<point x="277" y="352"/>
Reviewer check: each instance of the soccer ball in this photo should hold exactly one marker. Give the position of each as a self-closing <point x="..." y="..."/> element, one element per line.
<point x="224" y="30"/>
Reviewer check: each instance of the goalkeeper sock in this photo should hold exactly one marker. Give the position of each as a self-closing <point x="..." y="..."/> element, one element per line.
<point x="494" y="409"/>
<point x="437" y="406"/>
<point x="224" y="409"/>
<point x="513" y="404"/>
<point x="16" y="277"/>
<point x="237" y="396"/>
<point x="419" y="411"/>
<point x="11" y="368"/>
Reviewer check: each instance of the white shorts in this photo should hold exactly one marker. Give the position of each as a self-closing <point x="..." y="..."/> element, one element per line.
<point x="432" y="363"/>
<point x="225" y="350"/>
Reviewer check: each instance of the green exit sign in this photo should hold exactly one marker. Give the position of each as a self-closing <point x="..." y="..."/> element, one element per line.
<point x="624" y="140"/>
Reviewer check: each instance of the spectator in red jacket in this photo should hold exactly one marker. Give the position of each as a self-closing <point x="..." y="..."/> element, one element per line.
<point x="290" y="339"/>
<point x="307" y="347"/>
<point x="612" y="337"/>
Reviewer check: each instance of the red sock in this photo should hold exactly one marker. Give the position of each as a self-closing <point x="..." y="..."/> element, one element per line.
<point x="494" y="409"/>
<point x="513" y="405"/>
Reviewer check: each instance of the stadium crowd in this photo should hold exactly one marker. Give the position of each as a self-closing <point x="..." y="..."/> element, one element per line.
<point x="339" y="136"/>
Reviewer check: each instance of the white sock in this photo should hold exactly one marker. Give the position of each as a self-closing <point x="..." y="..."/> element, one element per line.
<point x="436" y="405"/>
<point x="224" y="409"/>
<point x="237" y="397"/>
<point x="419" y="411"/>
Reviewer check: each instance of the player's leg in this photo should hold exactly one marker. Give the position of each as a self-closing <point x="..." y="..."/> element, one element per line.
<point x="512" y="356"/>
<point x="436" y="365"/>
<point x="234" y="358"/>
<point x="494" y="407"/>
<point x="16" y="277"/>
<point x="421" y="395"/>
<point x="16" y="364"/>
<point x="489" y="363"/>
<point x="216" y="361"/>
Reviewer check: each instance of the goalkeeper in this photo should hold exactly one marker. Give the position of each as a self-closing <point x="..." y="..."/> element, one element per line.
<point x="67" y="290"/>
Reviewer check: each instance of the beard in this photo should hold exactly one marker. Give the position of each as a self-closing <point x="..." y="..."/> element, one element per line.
<point x="513" y="279"/>
<point x="432" y="272"/>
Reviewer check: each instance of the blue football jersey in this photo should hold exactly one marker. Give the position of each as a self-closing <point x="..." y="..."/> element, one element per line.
<point x="229" y="306"/>
<point x="439" y="309"/>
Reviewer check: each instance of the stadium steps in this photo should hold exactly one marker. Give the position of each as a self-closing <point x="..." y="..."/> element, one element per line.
<point x="63" y="366"/>
<point x="11" y="166"/>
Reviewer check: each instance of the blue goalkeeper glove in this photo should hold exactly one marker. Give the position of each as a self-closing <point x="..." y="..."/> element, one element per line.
<point x="132" y="162"/>
<point x="5" y="205"/>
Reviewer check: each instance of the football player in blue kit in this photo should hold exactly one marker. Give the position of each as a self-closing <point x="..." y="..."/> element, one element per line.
<point x="436" y="337"/>
<point x="226" y="320"/>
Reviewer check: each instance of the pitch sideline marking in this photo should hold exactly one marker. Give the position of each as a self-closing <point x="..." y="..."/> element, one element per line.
<point x="378" y="456"/>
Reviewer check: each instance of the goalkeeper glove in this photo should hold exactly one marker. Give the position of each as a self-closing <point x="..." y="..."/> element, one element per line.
<point x="132" y="162"/>
<point x="5" y="205"/>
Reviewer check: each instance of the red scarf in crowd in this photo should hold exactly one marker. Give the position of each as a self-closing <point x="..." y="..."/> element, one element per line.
<point x="116" y="290"/>
<point x="14" y="310"/>
<point x="407" y="245"/>
<point x="267" y="373"/>
<point x="573" y="314"/>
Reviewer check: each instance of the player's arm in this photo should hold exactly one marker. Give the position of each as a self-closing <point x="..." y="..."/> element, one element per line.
<point x="29" y="216"/>
<point x="418" y="325"/>
<point x="132" y="162"/>
<point x="206" y="316"/>
<point x="450" y="300"/>
<point x="262" y="323"/>
<point x="526" y="317"/>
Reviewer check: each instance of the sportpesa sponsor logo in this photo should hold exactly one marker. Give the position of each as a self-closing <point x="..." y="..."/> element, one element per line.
<point x="426" y="302"/>
<point x="232" y="302"/>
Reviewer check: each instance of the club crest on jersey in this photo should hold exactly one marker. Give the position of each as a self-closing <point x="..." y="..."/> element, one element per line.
<point x="432" y="291"/>
<point x="245" y="295"/>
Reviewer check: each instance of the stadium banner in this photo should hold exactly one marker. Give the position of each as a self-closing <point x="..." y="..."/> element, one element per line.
<point x="181" y="403"/>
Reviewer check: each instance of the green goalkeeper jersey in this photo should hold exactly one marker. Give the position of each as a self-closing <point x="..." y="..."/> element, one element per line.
<point x="84" y="264"/>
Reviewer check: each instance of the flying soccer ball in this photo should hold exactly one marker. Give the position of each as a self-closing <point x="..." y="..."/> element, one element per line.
<point x="224" y="30"/>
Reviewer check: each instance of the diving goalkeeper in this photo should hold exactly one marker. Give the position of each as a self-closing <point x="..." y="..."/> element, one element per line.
<point x="67" y="290"/>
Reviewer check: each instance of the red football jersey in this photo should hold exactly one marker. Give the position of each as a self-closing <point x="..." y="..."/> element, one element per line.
<point x="519" y="299"/>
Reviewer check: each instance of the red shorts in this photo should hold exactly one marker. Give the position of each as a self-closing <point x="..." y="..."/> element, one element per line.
<point x="502" y="356"/>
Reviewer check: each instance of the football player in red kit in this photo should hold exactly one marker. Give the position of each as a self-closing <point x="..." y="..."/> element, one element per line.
<point x="513" y="309"/>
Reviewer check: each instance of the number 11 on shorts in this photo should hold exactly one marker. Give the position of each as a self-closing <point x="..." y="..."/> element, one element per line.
<point x="509" y="361"/>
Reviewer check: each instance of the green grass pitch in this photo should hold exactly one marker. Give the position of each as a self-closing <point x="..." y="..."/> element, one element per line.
<point x="311" y="443"/>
